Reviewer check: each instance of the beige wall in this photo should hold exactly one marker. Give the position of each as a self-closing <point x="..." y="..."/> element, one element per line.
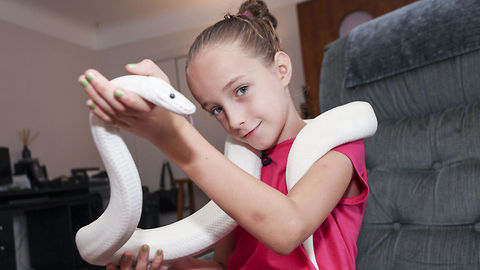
<point x="39" y="91"/>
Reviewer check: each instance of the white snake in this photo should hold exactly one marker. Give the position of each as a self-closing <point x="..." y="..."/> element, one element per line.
<point x="107" y="238"/>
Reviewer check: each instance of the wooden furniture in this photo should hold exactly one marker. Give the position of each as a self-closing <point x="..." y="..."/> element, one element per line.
<point x="191" y="199"/>
<point x="319" y="22"/>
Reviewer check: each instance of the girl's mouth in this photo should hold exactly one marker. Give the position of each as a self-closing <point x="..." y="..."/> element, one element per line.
<point x="249" y="134"/>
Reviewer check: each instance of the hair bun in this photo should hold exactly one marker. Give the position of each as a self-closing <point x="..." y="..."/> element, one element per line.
<point x="258" y="10"/>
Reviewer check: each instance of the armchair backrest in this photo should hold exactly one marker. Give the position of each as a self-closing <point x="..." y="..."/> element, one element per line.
<point x="419" y="67"/>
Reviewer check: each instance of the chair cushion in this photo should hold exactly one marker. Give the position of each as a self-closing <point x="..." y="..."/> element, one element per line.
<point x="417" y="35"/>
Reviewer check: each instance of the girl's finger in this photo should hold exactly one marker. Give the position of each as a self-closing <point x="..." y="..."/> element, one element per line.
<point x="123" y="125"/>
<point x="104" y="89"/>
<point x="97" y="99"/>
<point x="98" y="111"/>
<point x="157" y="261"/>
<point x="133" y="102"/>
<point x="126" y="261"/>
<point x="147" y="67"/>
<point x="142" y="258"/>
<point x="111" y="267"/>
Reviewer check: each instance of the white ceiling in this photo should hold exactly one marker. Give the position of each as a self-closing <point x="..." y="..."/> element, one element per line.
<point x="100" y="24"/>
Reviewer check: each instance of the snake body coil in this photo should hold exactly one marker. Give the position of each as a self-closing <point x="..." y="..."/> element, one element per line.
<point x="107" y="238"/>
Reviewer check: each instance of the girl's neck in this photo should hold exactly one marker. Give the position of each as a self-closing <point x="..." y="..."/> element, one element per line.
<point x="293" y="124"/>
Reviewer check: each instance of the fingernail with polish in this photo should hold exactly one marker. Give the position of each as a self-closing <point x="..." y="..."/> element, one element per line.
<point x="132" y="65"/>
<point x="92" y="106"/>
<point x="89" y="76"/>
<point x="84" y="83"/>
<point x="159" y="252"/>
<point x="126" y="257"/>
<point x="118" y="93"/>
<point x="144" y="249"/>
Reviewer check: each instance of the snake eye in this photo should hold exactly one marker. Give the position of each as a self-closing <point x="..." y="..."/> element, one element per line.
<point x="172" y="95"/>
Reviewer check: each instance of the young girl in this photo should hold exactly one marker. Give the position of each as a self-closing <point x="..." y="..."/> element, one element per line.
<point x="238" y="72"/>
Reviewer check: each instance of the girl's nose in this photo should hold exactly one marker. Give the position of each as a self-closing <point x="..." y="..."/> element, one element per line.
<point x="236" y="118"/>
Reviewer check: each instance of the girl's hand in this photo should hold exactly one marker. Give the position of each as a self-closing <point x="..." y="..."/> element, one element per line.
<point x="147" y="68"/>
<point x="142" y="261"/>
<point x="126" y="109"/>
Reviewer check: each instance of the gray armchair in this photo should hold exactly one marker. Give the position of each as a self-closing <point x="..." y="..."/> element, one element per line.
<point x="419" y="67"/>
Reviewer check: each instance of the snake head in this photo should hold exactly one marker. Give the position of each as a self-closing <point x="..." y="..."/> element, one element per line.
<point x="169" y="98"/>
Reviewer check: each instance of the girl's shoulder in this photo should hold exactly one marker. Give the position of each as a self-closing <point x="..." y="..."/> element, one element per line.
<point x="355" y="151"/>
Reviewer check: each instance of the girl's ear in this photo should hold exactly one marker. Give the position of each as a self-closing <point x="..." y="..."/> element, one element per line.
<point x="283" y="66"/>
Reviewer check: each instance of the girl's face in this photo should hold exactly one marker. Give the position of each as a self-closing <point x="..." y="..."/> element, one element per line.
<point x="249" y="99"/>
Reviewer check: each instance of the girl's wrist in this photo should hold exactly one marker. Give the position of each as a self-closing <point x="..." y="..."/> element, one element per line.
<point x="168" y="134"/>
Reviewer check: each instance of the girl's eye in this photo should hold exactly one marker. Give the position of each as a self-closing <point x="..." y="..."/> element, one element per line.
<point x="242" y="90"/>
<point x="216" y="110"/>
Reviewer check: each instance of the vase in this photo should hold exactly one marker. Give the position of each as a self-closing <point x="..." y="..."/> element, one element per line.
<point x="26" y="154"/>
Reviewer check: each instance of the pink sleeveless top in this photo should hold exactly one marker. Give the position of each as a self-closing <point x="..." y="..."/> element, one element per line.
<point x="334" y="241"/>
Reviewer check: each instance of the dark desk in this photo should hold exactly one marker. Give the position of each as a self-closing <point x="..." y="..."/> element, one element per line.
<point x="53" y="215"/>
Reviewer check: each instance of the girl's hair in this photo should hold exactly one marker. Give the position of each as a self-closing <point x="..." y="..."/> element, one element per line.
<point x="253" y="28"/>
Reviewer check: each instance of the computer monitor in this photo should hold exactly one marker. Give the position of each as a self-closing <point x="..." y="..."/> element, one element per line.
<point x="5" y="167"/>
